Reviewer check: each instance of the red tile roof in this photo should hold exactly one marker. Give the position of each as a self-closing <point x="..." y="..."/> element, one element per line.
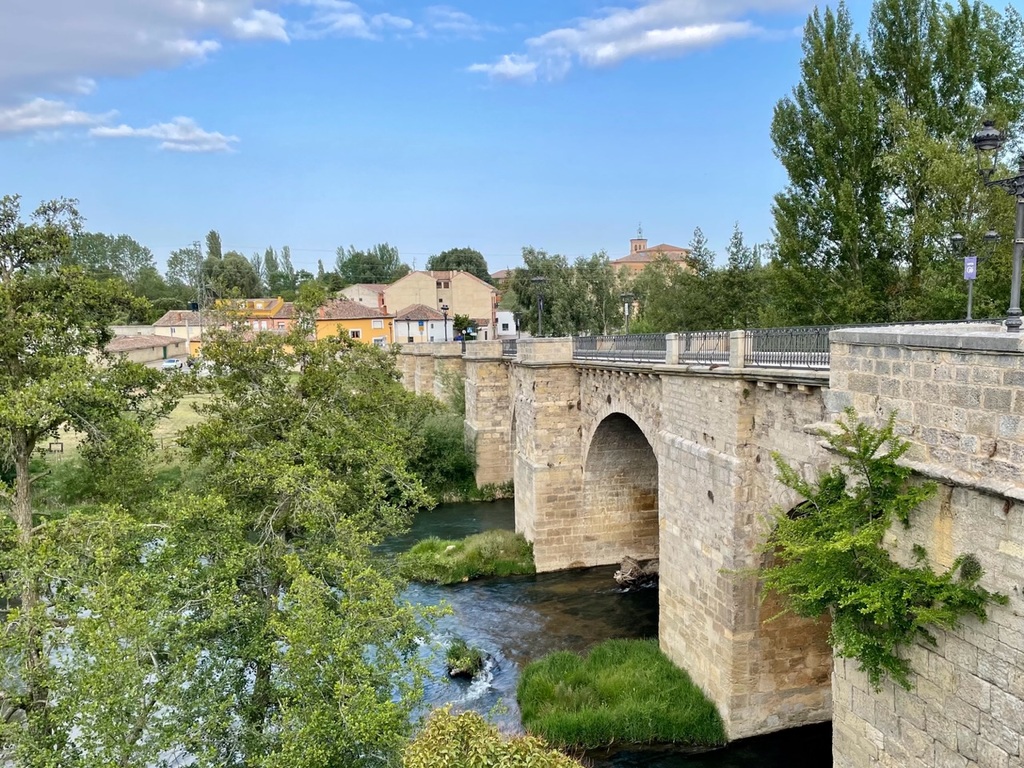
<point x="343" y="309"/>
<point x="419" y="312"/>
<point x="133" y="343"/>
<point x="176" y="317"/>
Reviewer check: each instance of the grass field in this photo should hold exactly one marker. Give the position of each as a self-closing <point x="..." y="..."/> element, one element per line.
<point x="492" y="553"/>
<point x="165" y="432"/>
<point x="622" y="692"/>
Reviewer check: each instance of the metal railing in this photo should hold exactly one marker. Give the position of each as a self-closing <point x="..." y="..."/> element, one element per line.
<point x="509" y="347"/>
<point x="800" y="347"/>
<point x="704" y="348"/>
<point x="635" y="348"/>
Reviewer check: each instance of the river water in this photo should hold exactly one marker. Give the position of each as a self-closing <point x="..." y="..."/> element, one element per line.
<point x="519" y="619"/>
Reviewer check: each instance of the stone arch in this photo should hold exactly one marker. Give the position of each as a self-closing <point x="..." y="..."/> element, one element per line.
<point x="620" y="493"/>
<point x="614" y="408"/>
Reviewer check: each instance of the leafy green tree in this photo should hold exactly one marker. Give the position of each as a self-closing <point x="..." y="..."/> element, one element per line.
<point x="259" y="268"/>
<point x="185" y="267"/>
<point x="830" y="220"/>
<point x="306" y="442"/>
<point x="214" y="250"/>
<point x="701" y="258"/>
<point x="379" y="264"/>
<point x="464" y="259"/>
<point x="111" y="256"/>
<point x="231" y="275"/>
<point x="53" y="375"/>
<point x="829" y="556"/>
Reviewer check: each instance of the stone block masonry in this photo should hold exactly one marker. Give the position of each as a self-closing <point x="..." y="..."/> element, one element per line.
<point x="959" y="397"/>
<point x="618" y="458"/>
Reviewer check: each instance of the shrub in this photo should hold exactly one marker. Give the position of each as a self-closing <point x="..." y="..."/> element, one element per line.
<point x="623" y="691"/>
<point x="830" y="556"/>
<point x="461" y="659"/>
<point x="468" y="741"/>
<point x="491" y="553"/>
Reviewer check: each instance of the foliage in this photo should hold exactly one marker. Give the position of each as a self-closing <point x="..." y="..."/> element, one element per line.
<point x="467" y="740"/>
<point x="437" y="450"/>
<point x="491" y="553"/>
<point x="464" y="259"/>
<point x="379" y="264"/>
<point x="874" y="140"/>
<point x="830" y="556"/>
<point x="54" y="374"/>
<point x="454" y="385"/>
<point x="231" y="276"/>
<point x="578" y="298"/>
<point x="621" y="692"/>
<point x="460" y="658"/>
<point x="461" y="324"/>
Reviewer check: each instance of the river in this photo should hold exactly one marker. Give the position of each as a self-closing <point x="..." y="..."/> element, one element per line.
<point x="519" y="619"/>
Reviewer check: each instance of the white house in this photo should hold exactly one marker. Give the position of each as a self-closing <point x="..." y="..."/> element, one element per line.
<point x="419" y="324"/>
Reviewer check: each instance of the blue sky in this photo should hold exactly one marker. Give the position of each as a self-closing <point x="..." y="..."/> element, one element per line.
<point x="319" y="123"/>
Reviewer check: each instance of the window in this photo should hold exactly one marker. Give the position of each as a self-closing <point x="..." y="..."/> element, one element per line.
<point x="431" y="328"/>
<point x="504" y="326"/>
<point x="280" y="326"/>
<point x="380" y="341"/>
<point x="378" y="323"/>
<point x="411" y="340"/>
<point x="355" y="333"/>
<point x="438" y="283"/>
<point x="445" y="284"/>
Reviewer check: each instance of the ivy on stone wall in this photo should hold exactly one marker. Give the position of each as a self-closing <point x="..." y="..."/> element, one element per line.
<point x="829" y="555"/>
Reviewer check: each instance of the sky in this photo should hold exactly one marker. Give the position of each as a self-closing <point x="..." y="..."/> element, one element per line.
<point x="559" y="124"/>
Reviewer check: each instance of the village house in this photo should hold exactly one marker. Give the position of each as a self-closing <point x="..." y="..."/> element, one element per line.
<point x="419" y="323"/>
<point x="640" y="255"/>
<point x="461" y="292"/>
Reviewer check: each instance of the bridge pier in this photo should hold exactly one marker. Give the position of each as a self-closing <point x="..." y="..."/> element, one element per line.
<point x="488" y="412"/>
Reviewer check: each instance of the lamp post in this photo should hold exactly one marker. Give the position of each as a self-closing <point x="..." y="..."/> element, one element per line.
<point x="444" y="314"/>
<point x="971" y="263"/>
<point x="539" y="282"/>
<point x="627" y="306"/>
<point x="987" y="143"/>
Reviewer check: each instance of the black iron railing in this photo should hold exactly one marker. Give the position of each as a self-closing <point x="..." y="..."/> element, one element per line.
<point x="800" y="347"/>
<point x="704" y="348"/>
<point x="509" y="348"/>
<point x="634" y="348"/>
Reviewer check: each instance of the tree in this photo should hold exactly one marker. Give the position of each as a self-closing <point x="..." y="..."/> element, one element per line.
<point x="701" y="258"/>
<point x="111" y="256"/>
<point x="379" y="264"/>
<point x="231" y="275"/>
<point x="830" y="555"/>
<point x="464" y="259"/>
<point x="53" y="374"/>
<point x="830" y="220"/>
<point x="214" y="250"/>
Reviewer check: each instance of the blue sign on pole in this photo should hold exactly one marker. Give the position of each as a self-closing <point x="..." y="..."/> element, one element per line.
<point x="970" y="267"/>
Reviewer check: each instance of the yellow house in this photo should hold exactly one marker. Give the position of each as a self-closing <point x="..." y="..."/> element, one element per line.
<point x="358" y="321"/>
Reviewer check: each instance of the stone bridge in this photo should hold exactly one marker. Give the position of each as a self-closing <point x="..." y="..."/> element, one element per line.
<point x="669" y="458"/>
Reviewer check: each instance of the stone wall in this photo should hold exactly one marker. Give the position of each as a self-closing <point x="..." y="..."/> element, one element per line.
<point x="548" y="455"/>
<point x="489" y="411"/>
<point x="959" y="393"/>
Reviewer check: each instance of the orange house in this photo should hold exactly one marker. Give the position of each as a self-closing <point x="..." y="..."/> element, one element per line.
<point x="358" y="321"/>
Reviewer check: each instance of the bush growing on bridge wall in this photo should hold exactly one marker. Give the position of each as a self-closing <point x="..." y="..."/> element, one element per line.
<point x="830" y="556"/>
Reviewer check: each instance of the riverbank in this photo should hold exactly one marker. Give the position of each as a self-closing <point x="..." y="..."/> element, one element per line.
<point x="621" y="692"/>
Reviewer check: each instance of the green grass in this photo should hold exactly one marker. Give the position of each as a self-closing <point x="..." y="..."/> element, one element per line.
<point x="492" y="553"/>
<point x="461" y="657"/>
<point x="622" y="692"/>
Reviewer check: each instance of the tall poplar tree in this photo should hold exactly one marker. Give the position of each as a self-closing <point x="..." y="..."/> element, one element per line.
<point x="830" y="219"/>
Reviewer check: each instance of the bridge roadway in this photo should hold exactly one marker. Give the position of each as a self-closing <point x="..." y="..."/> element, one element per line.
<point x="675" y="460"/>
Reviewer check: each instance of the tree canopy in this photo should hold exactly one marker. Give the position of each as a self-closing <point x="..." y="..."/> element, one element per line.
<point x="379" y="264"/>
<point x="464" y="259"/>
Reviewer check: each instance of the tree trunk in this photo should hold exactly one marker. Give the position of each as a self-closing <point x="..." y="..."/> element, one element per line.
<point x="21" y="511"/>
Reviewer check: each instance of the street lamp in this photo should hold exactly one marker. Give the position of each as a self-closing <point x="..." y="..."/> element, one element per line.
<point x="987" y="143"/>
<point x="539" y="282"/>
<point x="972" y="261"/>
<point x="444" y="314"/>
<point x="627" y="306"/>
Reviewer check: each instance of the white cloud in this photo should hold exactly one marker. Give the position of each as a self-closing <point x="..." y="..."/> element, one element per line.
<point x="41" y="115"/>
<point x="509" y="67"/>
<point x="653" y="28"/>
<point x="49" y="46"/>
<point x="261" y="25"/>
<point x="390" y="20"/>
<point x="454" y="23"/>
<point x="182" y="134"/>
